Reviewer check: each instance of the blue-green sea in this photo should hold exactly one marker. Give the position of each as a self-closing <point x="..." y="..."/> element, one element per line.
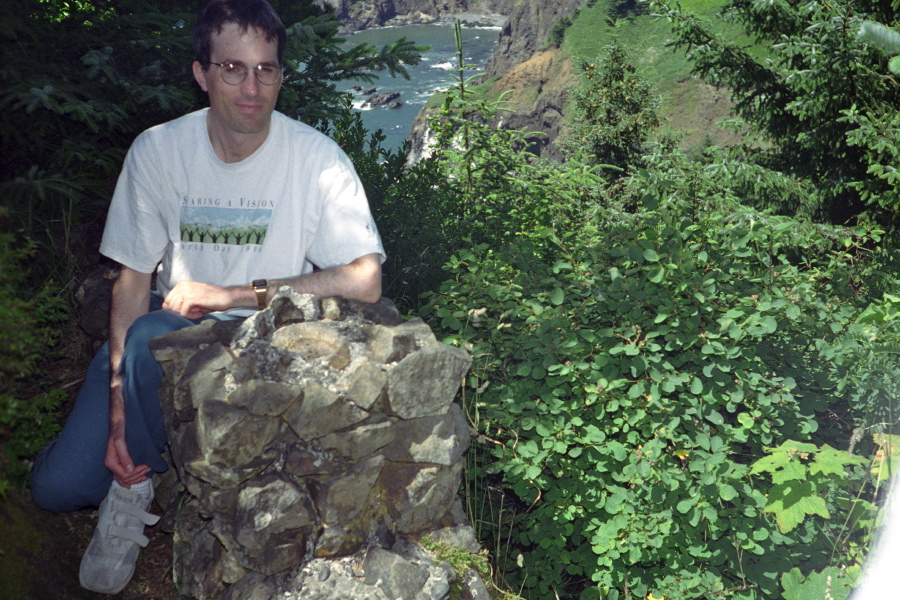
<point x="429" y="76"/>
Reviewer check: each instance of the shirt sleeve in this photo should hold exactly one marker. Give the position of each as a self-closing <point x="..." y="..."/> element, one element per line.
<point x="346" y="229"/>
<point x="136" y="234"/>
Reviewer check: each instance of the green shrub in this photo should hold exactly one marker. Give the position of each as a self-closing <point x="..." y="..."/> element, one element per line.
<point x="628" y="376"/>
<point x="614" y="113"/>
<point x="29" y="319"/>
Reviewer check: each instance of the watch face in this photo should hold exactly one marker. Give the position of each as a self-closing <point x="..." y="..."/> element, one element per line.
<point x="259" y="283"/>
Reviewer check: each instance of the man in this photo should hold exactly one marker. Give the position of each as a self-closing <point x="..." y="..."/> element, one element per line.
<point x="224" y="205"/>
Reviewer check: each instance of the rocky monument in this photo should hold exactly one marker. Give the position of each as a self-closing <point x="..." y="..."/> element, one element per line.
<point x="315" y="442"/>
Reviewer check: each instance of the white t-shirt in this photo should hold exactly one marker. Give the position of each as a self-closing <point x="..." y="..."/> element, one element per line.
<point x="294" y="203"/>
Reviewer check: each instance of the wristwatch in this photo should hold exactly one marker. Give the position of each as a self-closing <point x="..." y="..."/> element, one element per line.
<point x="260" y="286"/>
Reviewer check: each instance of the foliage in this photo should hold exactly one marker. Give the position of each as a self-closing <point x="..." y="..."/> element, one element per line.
<point x="800" y="474"/>
<point x="630" y="370"/>
<point x="28" y="328"/>
<point x="462" y="562"/>
<point x="478" y="185"/>
<point x="645" y="354"/>
<point x="796" y="97"/>
<point x="805" y="479"/>
<point x="614" y="113"/>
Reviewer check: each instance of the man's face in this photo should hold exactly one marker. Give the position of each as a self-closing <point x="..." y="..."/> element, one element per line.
<point x="245" y="108"/>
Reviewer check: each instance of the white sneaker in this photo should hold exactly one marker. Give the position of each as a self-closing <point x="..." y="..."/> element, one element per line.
<point x="108" y="562"/>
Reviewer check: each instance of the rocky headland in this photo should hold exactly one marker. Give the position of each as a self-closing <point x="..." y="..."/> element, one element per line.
<point x="536" y="78"/>
<point x="363" y="14"/>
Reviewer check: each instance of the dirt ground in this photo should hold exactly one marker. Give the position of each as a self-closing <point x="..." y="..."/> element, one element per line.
<point x="40" y="553"/>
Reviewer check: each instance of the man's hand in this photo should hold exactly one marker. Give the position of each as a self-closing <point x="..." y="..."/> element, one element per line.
<point x="193" y="299"/>
<point x="118" y="459"/>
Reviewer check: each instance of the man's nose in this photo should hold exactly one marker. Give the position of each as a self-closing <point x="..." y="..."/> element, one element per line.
<point x="250" y="85"/>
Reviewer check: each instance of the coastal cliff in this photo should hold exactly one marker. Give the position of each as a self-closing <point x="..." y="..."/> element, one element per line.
<point x="363" y="14"/>
<point x="528" y="27"/>
<point x="535" y="76"/>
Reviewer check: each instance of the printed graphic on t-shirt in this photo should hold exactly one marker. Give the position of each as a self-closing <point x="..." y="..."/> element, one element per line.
<point x="224" y="225"/>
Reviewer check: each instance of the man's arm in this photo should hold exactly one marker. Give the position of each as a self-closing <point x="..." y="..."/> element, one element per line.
<point x="130" y="300"/>
<point x="358" y="280"/>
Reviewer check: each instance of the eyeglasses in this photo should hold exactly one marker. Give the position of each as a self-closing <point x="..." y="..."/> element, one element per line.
<point x="233" y="73"/>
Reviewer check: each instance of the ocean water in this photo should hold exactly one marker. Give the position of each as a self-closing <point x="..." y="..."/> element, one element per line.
<point x="434" y="73"/>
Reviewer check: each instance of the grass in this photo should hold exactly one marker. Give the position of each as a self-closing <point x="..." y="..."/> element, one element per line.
<point x="646" y="37"/>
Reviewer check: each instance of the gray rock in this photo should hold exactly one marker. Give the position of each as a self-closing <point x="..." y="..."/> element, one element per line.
<point x="254" y="586"/>
<point x="394" y="575"/>
<point x="365" y="384"/>
<point x="310" y="340"/>
<point x="199" y="567"/>
<point x="302" y="460"/>
<point x="425" y="382"/>
<point x="440" y="440"/>
<point x="231" y="436"/>
<point x="473" y="587"/>
<point x="460" y="534"/>
<point x="255" y="327"/>
<point x="321" y="412"/>
<point x="419" y="495"/>
<point x="287" y="306"/>
<point x="393" y="344"/>
<point x="342" y="498"/>
<point x="361" y="441"/>
<point x="261" y="397"/>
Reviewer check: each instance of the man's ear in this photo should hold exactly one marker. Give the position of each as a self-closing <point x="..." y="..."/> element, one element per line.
<point x="200" y="75"/>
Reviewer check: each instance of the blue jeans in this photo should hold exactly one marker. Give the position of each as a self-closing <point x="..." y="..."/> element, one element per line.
<point x="69" y="473"/>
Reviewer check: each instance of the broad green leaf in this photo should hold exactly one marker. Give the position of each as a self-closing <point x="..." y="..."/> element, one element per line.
<point x="715" y="417"/>
<point x="557" y="296"/>
<point x="791" y="582"/>
<point x="745" y="419"/>
<point x="792" y="501"/>
<point x="894" y="65"/>
<point x="685" y="505"/>
<point x="828" y="461"/>
<point x="727" y="493"/>
<point x="696" y="386"/>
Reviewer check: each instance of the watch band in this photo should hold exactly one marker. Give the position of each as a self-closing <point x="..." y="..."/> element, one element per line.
<point x="260" y="286"/>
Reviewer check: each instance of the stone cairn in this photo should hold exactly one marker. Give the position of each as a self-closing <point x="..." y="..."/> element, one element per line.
<point x="315" y="442"/>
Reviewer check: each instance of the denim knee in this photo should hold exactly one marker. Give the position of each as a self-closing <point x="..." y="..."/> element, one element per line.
<point x="65" y="491"/>
<point x="150" y="325"/>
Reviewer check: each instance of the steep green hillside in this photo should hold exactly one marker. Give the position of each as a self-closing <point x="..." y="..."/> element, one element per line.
<point x="645" y="36"/>
<point x="690" y="107"/>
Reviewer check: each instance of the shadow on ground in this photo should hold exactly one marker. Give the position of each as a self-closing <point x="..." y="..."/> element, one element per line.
<point x="40" y="553"/>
